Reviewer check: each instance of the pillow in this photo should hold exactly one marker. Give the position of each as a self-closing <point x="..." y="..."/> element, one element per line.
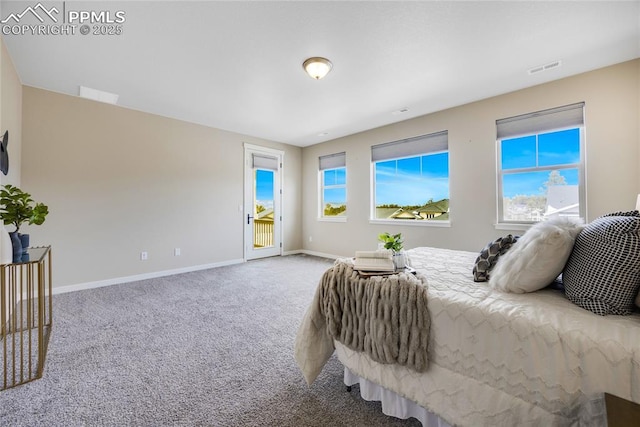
<point x="538" y="257"/>
<point x="489" y="256"/>
<point x="603" y="272"/>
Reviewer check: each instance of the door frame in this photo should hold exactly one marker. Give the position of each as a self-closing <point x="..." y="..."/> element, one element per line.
<point x="247" y="238"/>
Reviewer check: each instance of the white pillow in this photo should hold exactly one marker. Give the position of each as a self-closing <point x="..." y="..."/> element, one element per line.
<point x="538" y="257"/>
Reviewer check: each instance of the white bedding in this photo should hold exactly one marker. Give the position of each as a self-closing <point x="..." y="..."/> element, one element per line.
<point x="393" y="404"/>
<point x="510" y="359"/>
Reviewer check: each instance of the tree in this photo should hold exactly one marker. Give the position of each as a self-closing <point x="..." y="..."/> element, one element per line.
<point x="330" y="210"/>
<point x="554" y="179"/>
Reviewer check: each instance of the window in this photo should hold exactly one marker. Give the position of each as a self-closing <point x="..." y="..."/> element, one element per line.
<point x="541" y="165"/>
<point x="411" y="179"/>
<point x="333" y="186"/>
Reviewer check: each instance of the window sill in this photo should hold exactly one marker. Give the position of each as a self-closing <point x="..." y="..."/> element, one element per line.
<point x="330" y="219"/>
<point x="512" y="226"/>
<point x="411" y="223"/>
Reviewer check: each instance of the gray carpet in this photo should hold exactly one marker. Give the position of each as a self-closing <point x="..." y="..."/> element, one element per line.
<point x="208" y="348"/>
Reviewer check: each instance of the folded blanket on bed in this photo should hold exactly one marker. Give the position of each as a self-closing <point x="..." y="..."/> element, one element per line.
<point x="385" y="317"/>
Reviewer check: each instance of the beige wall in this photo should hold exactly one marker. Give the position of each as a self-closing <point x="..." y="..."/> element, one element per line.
<point x="118" y="182"/>
<point x="10" y="115"/>
<point x="613" y="158"/>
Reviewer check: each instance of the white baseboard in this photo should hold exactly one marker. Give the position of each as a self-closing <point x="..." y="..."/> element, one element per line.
<point x="137" y="277"/>
<point x="145" y="276"/>
<point x="319" y="254"/>
<point x="296" y="252"/>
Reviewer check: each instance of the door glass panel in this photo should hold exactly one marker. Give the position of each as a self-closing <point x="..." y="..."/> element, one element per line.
<point x="263" y="230"/>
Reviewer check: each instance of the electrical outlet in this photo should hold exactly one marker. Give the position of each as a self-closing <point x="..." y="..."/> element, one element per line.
<point x="310" y="238"/>
<point x="144" y="256"/>
<point x="176" y="252"/>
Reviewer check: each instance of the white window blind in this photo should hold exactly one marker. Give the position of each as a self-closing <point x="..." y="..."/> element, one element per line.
<point x="420" y="145"/>
<point x="261" y="161"/>
<point x="541" y="121"/>
<point x="333" y="161"/>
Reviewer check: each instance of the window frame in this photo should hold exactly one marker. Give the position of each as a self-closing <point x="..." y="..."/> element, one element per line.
<point x="503" y="223"/>
<point x="322" y="187"/>
<point x="412" y="154"/>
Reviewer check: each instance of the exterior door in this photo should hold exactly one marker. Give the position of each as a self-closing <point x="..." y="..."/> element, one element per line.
<point x="262" y="207"/>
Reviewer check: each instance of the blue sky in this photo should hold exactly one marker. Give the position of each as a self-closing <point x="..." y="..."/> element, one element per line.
<point x="553" y="149"/>
<point x="264" y="185"/>
<point x="335" y="196"/>
<point x="412" y="181"/>
<point x="415" y="180"/>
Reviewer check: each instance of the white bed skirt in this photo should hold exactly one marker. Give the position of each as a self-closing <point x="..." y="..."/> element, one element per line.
<point x="393" y="404"/>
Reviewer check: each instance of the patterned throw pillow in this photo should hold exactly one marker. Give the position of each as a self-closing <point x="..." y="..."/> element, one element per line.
<point x="489" y="256"/>
<point x="602" y="274"/>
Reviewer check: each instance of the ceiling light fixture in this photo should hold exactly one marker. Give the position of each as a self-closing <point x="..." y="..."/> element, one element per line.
<point x="317" y="67"/>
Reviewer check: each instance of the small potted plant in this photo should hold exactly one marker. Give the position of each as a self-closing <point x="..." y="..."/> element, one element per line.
<point x="394" y="243"/>
<point x="16" y="208"/>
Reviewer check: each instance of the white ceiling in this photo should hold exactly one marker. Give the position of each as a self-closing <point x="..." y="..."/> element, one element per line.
<point x="238" y="65"/>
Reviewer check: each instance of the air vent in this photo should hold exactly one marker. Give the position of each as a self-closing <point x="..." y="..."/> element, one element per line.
<point x="400" y="111"/>
<point x="98" y="95"/>
<point x="552" y="65"/>
<point x="545" y="67"/>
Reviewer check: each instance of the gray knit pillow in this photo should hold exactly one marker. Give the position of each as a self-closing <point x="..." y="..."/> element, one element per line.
<point x="603" y="272"/>
<point x="489" y="256"/>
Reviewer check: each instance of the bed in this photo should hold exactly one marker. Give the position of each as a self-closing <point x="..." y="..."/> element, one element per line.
<point x="496" y="358"/>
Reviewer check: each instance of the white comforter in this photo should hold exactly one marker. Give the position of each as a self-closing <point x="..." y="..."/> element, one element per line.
<point x="508" y="359"/>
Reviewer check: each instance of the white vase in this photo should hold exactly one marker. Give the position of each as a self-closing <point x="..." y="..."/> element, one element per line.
<point x="399" y="260"/>
<point x="6" y="248"/>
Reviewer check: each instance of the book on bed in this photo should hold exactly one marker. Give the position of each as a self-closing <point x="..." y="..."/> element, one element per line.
<point x="378" y="261"/>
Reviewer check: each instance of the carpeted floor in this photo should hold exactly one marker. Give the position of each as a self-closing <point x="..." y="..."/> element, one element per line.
<point x="208" y="348"/>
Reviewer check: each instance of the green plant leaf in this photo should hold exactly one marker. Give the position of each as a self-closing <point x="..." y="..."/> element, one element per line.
<point x="17" y="207"/>
<point x="393" y="242"/>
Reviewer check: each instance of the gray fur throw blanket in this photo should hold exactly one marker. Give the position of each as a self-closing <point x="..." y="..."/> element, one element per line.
<point x="384" y="316"/>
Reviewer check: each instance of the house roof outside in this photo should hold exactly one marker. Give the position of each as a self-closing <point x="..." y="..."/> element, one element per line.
<point x="386" y="212"/>
<point x="440" y="206"/>
<point x="403" y="214"/>
<point x="431" y="210"/>
<point x="562" y="200"/>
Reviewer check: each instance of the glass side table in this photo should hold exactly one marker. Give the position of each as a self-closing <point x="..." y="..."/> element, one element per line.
<point x="25" y="317"/>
